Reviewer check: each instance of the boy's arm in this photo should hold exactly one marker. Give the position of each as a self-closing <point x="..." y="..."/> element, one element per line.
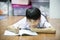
<point x="44" y="30"/>
<point x="12" y="29"/>
<point x="15" y="27"/>
<point x="47" y="29"/>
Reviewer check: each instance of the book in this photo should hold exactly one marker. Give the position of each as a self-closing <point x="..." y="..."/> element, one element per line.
<point x="21" y="32"/>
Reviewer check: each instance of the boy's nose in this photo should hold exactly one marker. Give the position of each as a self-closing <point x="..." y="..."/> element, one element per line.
<point x="33" y="26"/>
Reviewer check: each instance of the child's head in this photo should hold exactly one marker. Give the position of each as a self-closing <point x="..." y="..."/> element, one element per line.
<point x="33" y="16"/>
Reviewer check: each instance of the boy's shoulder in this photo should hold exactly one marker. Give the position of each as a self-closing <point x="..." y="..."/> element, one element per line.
<point x="43" y="17"/>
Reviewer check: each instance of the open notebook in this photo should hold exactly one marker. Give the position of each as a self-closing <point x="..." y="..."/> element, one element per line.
<point x="21" y="32"/>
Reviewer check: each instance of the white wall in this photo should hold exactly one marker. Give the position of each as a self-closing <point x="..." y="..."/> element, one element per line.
<point x="54" y="8"/>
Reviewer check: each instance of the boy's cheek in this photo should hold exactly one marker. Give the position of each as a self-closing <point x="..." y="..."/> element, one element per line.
<point x="33" y="25"/>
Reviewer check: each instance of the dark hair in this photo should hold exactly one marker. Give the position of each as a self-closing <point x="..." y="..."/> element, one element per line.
<point x="33" y="13"/>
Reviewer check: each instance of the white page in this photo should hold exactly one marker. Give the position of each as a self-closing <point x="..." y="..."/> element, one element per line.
<point x="9" y="33"/>
<point x="21" y="32"/>
<point x="28" y="32"/>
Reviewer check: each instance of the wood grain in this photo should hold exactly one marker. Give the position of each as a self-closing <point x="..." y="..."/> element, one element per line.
<point x="12" y="19"/>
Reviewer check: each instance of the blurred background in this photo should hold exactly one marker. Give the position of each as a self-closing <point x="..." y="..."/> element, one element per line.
<point x="8" y="7"/>
<point x="50" y="8"/>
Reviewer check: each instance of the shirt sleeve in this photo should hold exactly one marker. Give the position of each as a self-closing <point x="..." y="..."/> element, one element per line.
<point x="47" y="24"/>
<point x="20" y="23"/>
<point x="44" y="22"/>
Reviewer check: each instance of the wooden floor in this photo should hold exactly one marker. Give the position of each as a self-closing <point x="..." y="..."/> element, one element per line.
<point x="10" y="20"/>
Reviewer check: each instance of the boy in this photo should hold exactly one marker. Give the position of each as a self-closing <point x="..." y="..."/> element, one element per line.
<point x="33" y="19"/>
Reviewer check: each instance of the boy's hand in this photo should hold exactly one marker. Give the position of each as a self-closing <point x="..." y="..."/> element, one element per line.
<point x="12" y="29"/>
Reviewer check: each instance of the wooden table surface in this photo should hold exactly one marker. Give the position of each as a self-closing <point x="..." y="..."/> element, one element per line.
<point x="13" y="19"/>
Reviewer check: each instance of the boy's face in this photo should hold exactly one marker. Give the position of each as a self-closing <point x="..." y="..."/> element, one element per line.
<point x="33" y="23"/>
